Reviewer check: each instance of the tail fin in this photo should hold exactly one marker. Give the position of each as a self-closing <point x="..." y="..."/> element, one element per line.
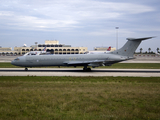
<point x="109" y="49"/>
<point x="130" y="47"/>
<point x="44" y="49"/>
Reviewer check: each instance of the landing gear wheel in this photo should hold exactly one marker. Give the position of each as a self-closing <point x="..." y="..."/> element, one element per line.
<point x="86" y="69"/>
<point x="26" y="69"/>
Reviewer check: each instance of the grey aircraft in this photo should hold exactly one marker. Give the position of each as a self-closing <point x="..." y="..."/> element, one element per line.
<point x="92" y="60"/>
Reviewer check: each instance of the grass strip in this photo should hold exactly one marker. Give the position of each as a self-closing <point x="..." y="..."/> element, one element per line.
<point x="77" y="98"/>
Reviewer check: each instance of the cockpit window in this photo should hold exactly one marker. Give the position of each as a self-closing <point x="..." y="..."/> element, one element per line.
<point x="16" y="59"/>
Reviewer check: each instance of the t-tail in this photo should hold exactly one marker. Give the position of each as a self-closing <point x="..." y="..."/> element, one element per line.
<point x="130" y="47"/>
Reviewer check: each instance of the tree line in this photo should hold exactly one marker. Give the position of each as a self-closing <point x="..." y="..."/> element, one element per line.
<point x="149" y="50"/>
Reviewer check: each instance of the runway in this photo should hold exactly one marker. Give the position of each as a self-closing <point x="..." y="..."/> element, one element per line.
<point x="79" y="72"/>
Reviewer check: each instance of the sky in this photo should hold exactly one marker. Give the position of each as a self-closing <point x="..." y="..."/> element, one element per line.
<point x="87" y="23"/>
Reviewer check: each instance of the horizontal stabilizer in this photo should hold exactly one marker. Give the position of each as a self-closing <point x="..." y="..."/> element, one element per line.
<point x="140" y="38"/>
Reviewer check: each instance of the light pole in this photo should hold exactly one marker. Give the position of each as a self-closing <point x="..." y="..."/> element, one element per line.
<point x="117" y="37"/>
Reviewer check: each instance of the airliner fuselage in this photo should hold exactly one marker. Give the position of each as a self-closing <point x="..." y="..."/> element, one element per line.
<point x="67" y="60"/>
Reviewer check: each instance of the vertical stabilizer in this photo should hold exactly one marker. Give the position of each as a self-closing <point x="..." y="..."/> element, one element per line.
<point x="130" y="47"/>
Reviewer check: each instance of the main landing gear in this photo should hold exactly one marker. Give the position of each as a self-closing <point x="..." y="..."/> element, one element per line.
<point x="26" y="69"/>
<point x="85" y="69"/>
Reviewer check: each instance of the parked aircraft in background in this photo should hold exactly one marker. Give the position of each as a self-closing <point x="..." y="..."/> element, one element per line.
<point x="93" y="60"/>
<point x="98" y="52"/>
<point x="36" y="52"/>
<point x="157" y="53"/>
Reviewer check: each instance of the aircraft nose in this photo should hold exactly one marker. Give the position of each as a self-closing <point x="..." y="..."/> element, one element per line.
<point x="15" y="61"/>
<point x="20" y="61"/>
<point x="12" y="62"/>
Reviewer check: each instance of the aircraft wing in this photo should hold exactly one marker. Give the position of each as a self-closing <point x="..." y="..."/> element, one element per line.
<point x="93" y="63"/>
<point x="90" y="63"/>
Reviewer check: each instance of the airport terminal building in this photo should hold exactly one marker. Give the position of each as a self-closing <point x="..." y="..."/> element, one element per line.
<point x="6" y="51"/>
<point x="51" y="46"/>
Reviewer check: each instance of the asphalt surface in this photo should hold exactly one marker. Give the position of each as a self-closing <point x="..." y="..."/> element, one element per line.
<point x="79" y="72"/>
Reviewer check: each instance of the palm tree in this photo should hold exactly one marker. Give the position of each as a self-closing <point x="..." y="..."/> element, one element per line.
<point x="157" y="50"/>
<point x="149" y="49"/>
<point x="141" y="50"/>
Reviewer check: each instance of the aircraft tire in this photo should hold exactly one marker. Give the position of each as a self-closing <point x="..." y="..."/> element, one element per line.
<point x="26" y="69"/>
<point x="86" y="69"/>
